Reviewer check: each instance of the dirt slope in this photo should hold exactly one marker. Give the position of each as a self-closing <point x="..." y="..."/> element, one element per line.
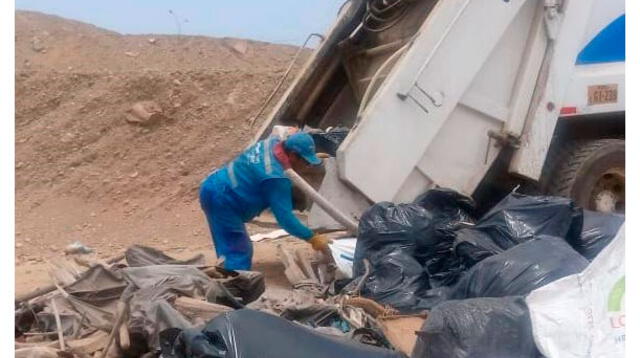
<point x="84" y="173"/>
<point x="46" y="42"/>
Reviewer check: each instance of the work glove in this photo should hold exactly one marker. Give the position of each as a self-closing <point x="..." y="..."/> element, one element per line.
<point x="320" y="242"/>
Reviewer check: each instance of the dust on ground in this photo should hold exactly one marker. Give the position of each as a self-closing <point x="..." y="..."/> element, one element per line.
<point x="84" y="174"/>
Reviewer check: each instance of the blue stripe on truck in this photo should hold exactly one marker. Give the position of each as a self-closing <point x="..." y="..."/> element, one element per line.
<point x="348" y="258"/>
<point x="607" y="46"/>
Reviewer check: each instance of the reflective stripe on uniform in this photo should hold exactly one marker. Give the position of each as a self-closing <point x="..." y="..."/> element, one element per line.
<point x="267" y="158"/>
<point x="232" y="175"/>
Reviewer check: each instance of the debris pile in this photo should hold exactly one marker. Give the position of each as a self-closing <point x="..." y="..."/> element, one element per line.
<point x="474" y="275"/>
<point x="429" y="279"/>
<point x="120" y="309"/>
<point x="152" y="304"/>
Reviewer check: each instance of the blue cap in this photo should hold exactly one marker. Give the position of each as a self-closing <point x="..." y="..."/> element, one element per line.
<point x="302" y="144"/>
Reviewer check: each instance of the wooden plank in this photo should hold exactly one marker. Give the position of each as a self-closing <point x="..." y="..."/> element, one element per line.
<point x="194" y="308"/>
<point x="125" y="341"/>
<point x="123" y="308"/>
<point x="58" y="324"/>
<point x="40" y="352"/>
<point x="89" y="344"/>
<point x="50" y="344"/>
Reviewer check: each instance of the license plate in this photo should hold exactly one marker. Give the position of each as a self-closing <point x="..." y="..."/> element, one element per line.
<point x="602" y="94"/>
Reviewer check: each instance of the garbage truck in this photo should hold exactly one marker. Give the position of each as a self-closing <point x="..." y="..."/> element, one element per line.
<point x="479" y="96"/>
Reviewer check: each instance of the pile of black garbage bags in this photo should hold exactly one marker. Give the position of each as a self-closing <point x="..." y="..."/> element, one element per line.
<point x="472" y="273"/>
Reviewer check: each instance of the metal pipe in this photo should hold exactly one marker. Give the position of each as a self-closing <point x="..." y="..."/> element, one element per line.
<point x="329" y="208"/>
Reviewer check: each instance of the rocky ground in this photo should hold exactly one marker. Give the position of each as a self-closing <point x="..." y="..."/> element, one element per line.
<point x="83" y="173"/>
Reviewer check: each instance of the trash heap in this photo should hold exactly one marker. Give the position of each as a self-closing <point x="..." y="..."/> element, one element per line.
<point x="480" y="279"/>
<point x="119" y="310"/>
<point x="426" y="279"/>
<point x="152" y="305"/>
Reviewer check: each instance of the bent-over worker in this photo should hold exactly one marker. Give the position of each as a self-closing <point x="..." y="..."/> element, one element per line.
<point x="252" y="182"/>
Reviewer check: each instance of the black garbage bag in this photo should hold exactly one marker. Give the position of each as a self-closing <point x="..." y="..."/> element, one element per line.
<point x="447" y="202"/>
<point x="477" y="328"/>
<point x="472" y="246"/>
<point x="247" y="334"/>
<point x="516" y="219"/>
<point x="450" y="211"/>
<point x="398" y="280"/>
<point x="329" y="141"/>
<point x="520" y="269"/>
<point x="597" y="232"/>
<point x="386" y="225"/>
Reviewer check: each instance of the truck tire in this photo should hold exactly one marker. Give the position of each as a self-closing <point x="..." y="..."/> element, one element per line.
<point x="591" y="173"/>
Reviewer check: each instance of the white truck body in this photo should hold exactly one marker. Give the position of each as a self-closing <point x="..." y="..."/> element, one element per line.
<point x="477" y="76"/>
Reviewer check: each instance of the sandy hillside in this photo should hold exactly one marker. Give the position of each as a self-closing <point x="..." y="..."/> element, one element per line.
<point x="84" y="173"/>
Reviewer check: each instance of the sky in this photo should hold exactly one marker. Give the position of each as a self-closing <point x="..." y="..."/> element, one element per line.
<point x="279" y="21"/>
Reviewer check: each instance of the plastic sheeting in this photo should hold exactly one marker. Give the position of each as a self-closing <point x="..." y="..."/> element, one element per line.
<point x="247" y="334"/>
<point x="149" y="318"/>
<point x="597" y="232"/>
<point x="138" y="256"/>
<point x="187" y="280"/>
<point x="517" y="219"/>
<point x="520" y="270"/>
<point x="156" y="285"/>
<point x="98" y="285"/>
<point x="94" y="295"/>
<point x="343" y="253"/>
<point x="477" y="328"/>
<point x="149" y="288"/>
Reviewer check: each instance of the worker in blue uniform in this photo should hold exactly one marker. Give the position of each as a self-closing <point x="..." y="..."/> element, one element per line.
<point x="252" y="182"/>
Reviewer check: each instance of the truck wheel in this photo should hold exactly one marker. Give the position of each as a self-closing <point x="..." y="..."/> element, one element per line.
<point x="591" y="173"/>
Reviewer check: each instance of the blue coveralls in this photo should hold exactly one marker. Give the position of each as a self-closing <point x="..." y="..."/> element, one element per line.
<point x="240" y="191"/>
